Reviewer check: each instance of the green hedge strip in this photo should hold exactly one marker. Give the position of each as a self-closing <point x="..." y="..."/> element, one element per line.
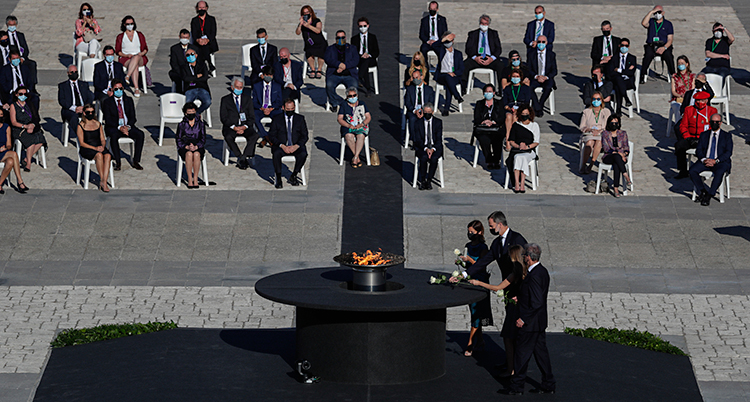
<point x="638" y="339"/>
<point x="70" y="337"/>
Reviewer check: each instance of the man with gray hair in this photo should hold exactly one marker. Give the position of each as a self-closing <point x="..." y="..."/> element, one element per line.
<point x="236" y="115"/>
<point x="483" y="50"/>
<point x="428" y="145"/>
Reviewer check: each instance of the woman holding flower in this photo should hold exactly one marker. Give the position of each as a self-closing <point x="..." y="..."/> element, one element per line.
<point x="481" y="311"/>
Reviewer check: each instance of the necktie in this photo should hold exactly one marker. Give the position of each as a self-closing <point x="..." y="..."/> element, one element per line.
<point x="110" y="71"/>
<point x="237" y="102"/>
<point x="267" y="96"/>
<point x="539" y="29"/>
<point x="419" y="96"/>
<point x="432" y="26"/>
<point x="77" y="94"/>
<point x="263" y="53"/>
<point x="13" y="39"/>
<point x="429" y="134"/>
<point x="622" y="63"/>
<point x="541" y="63"/>
<point x="609" y="47"/>
<point x="19" y="78"/>
<point x="289" y="131"/>
<point x="712" y="148"/>
<point x="484" y="44"/>
<point x="120" y="113"/>
<point x="364" y="44"/>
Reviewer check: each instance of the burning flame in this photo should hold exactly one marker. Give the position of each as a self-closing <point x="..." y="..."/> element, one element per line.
<point x="369" y="258"/>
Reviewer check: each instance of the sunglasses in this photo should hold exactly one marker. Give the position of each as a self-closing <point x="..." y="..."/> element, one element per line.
<point x="541" y="41"/>
<point x="341" y="37"/>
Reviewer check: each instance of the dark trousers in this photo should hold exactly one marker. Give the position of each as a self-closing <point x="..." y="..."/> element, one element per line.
<point x="492" y="146"/>
<point x="450" y="88"/>
<point x="722" y="71"/>
<point x="136" y="134"/>
<point x="72" y="118"/>
<point x="529" y="343"/>
<point x="424" y="48"/>
<point x="100" y="96"/>
<point x="539" y="101"/>
<point x="426" y="175"/>
<point x="364" y="73"/>
<point x="204" y="52"/>
<point x="649" y="52"/>
<point x="470" y="64"/>
<point x="179" y="84"/>
<point x="719" y="169"/>
<point x="288" y="93"/>
<point x="249" y="134"/>
<point x="618" y="166"/>
<point x="411" y="120"/>
<point x="680" y="151"/>
<point x="621" y="89"/>
<point x="300" y="156"/>
<point x="259" y="115"/>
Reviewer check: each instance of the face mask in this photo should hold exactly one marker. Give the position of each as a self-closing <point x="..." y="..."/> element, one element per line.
<point x="12" y="28"/>
<point x="129" y="27"/>
<point x="700" y="105"/>
<point x="489" y="95"/>
<point x="261" y="41"/>
<point x="184" y="41"/>
<point x="524" y="117"/>
<point x="432" y="13"/>
<point x="448" y="45"/>
<point x="90" y="115"/>
<point x="540" y="16"/>
<point x="541" y="46"/>
<point x="596" y="102"/>
<point x="699" y="84"/>
<point x="515" y="63"/>
<point x="22" y="98"/>
<point x="237" y="92"/>
<point x="493" y="231"/>
<point x="284" y="60"/>
<point x="15" y="62"/>
<point x="515" y="80"/>
<point x="718" y="34"/>
<point x="624" y="49"/>
<point x="201" y="12"/>
<point x="681" y="67"/>
<point x="289" y="113"/>
<point x="417" y="81"/>
<point x="118" y="93"/>
<point x="417" y="63"/>
<point x="86" y="12"/>
<point x="267" y="78"/>
<point x="427" y="116"/>
<point x="191" y="58"/>
<point x="4" y="43"/>
<point x="352" y="99"/>
<point x="109" y="58"/>
<point x="715" y="125"/>
<point x="472" y="236"/>
<point x="363" y="29"/>
<point x="190" y="116"/>
<point x="73" y="76"/>
<point x="484" y="28"/>
<point x="606" y="33"/>
<point x="658" y="16"/>
<point x="341" y="41"/>
<point x="613" y="126"/>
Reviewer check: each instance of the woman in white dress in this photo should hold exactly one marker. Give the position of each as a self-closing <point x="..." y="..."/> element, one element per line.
<point x="523" y="140"/>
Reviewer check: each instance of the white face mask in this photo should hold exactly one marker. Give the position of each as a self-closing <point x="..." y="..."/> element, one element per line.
<point x="129" y="27"/>
<point x="718" y="34"/>
<point x="658" y="16"/>
<point x="363" y="29"/>
<point x="184" y="41"/>
<point x="484" y="28"/>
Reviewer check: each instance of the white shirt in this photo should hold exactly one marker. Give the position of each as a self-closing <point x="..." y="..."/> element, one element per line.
<point x="539" y="29"/>
<point x="487" y="51"/>
<point x="504" y="235"/>
<point x="6" y="52"/>
<point x="623" y="60"/>
<point x="542" y="56"/>
<point x="131" y="47"/>
<point x="433" y="22"/>
<point x="533" y="266"/>
<point x="446" y="66"/>
<point x="287" y="74"/>
<point x="17" y="77"/>
<point x="714" y="137"/>
<point x="417" y="104"/>
<point x="119" y="101"/>
<point x="362" y="39"/>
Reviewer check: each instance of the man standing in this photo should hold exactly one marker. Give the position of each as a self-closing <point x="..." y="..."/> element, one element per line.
<point x="264" y="54"/>
<point x="540" y="26"/>
<point x="715" y="154"/>
<point x="289" y="137"/>
<point x="658" y="41"/>
<point x="119" y="121"/>
<point x="203" y="27"/>
<point x="72" y="94"/>
<point x="177" y="59"/>
<point x="369" y="51"/>
<point x="288" y="74"/>
<point x="431" y="29"/>
<point x="235" y="114"/>
<point x="543" y="67"/>
<point x="342" y="60"/>
<point x="483" y="50"/>
<point x="428" y="146"/>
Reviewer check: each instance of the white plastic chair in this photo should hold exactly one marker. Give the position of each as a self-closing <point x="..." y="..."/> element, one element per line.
<point x="79" y="56"/>
<point x="538" y="91"/>
<point x="213" y="61"/>
<point x="85" y="165"/>
<point x="292" y="159"/>
<point x="366" y="150"/>
<point x="142" y="73"/>
<point x="533" y="173"/>
<point x="376" y="82"/>
<point x="41" y="154"/>
<point x="690" y="154"/>
<point x="488" y="71"/>
<point x="246" y="64"/>
<point x="2" y="166"/>
<point x="723" y="188"/>
<point x="416" y="172"/>
<point x="123" y="141"/>
<point x="439" y="88"/>
<point x="170" y="109"/>
<point x="721" y="87"/>
<point x="603" y="167"/>
<point x="657" y="59"/>
<point x="203" y="170"/>
<point x="225" y="149"/>
<point x="405" y="127"/>
<point x="206" y="113"/>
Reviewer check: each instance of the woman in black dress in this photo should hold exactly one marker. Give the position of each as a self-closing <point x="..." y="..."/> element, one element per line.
<point x="9" y="157"/>
<point x="488" y="123"/>
<point x="91" y="142"/>
<point x="24" y="121"/>
<point x="481" y="311"/>
<point x="311" y="29"/>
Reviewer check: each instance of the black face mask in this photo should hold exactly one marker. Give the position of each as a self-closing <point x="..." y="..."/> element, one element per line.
<point x="417" y="63"/>
<point x="73" y="76"/>
<point x="433" y="13"/>
<point x="4" y="43"/>
<point x="472" y="236"/>
<point x="428" y="116"/>
<point x="190" y="116"/>
<point x="699" y="84"/>
<point x="613" y="126"/>
<point x="90" y="115"/>
<point x="715" y="125"/>
<point x="289" y="113"/>
<point x="283" y="61"/>
<point x="494" y="232"/>
<point x="201" y="12"/>
<point x="524" y="117"/>
<point x="606" y="33"/>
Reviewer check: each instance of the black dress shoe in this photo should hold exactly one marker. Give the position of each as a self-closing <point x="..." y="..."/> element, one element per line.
<point x="446" y="112"/>
<point x="293" y="180"/>
<point x="460" y="100"/>
<point x="118" y="167"/>
<point x="539" y="113"/>
<point x="682" y="175"/>
<point x="242" y="164"/>
<point x="421" y="186"/>
<point x="701" y="196"/>
<point x="137" y="166"/>
<point x="542" y="391"/>
<point x="706" y="200"/>
<point x="334" y="109"/>
<point x="279" y="184"/>
<point x="428" y="186"/>
<point x="628" y="103"/>
<point x="506" y="391"/>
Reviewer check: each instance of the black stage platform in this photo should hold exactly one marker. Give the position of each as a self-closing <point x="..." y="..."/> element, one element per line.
<point x="256" y="365"/>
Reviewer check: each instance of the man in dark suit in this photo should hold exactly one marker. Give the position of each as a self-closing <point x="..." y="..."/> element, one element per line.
<point x="106" y="71"/>
<point x="543" y="67"/>
<point x="289" y="137"/>
<point x="203" y="28"/>
<point x="428" y="145"/>
<point x="416" y="97"/>
<point x="483" y="50"/>
<point x="177" y="59"/>
<point x="72" y="94"/>
<point x="431" y="28"/>
<point x="264" y="54"/>
<point x="16" y="74"/>
<point x="532" y="324"/>
<point x="288" y="74"/>
<point x="597" y="83"/>
<point x="714" y="153"/>
<point x="449" y="70"/>
<point x="541" y="26"/>
<point x="605" y="46"/>
<point x="4" y="48"/>
<point x="367" y="45"/>
<point x="266" y="99"/>
<point x="622" y="74"/>
<point x="342" y="60"/>
<point x="498" y="226"/>
<point x="119" y="121"/>
<point x="700" y="85"/>
<point x="235" y="114"/>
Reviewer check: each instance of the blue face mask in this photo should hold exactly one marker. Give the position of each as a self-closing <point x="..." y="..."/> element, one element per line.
<point x="109" y="58"/>
<point x="22" y="98"/>
<point x="515" y="80"/>
<point x="118" y="93"/>
<point x="15" y="62"/>
<point x="540" y="16"/>
<point x="353" y="100"/>
<point x="681" y="67"/>
<point x="12" y="28"/>
<point x="489" y="95"/>
<point x="541" y="46"/>
<point x="237" y="92"/>
<point x="624" y="49"/>
<point x="191" y="58"/>
<point x="261" y="41"/>
<point x="596" y="102"/>
<point x="516" y="63"/>
<point x="341" y="41"/>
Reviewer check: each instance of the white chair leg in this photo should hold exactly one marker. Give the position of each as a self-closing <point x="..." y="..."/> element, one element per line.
<point x="143" y="78"/>
<point x="112" y="173"/>
<point x="599" y="179"/>
<point x="343" y="149"/>
<point x="213" y="61"/>
<point x="161" y="132"/>
<point x="204" y="169"/>
<point x="225" y="153"/>
<point x="551" y="103"/>
<point x="476" y="152"/>
<point x="507" y="178"/>
<point x="469" y="83"/>
<point x="406" y="142"/>
<point x="78" y="171"/>
<point x="534" y="178"/>
<point x="86" y="174"/>
<point x="416" y="172"/>
<point x="367" y="149"/>
<point x="726" y="183"/>
<point x="41" y="157"/>
<point x="179" y="171"/>
<point x="377" y="83"/>
<point x="440" y="171"/>
<point x="304" y="176"/>
<point x="66" y="133"/>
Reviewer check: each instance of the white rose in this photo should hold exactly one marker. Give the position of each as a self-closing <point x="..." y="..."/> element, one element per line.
<point x="456" y="274"/>
<point x="457" y="252"/>
<point x="433" y="279"/>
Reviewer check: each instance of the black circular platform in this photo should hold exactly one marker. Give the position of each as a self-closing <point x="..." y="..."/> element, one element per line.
<point x="391" y="337"/>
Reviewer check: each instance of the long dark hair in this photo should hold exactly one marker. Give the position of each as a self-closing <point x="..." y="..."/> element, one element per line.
<point x="80" y="11"/>
<point x="477" y="225"/>
<point x="516" y="255"/>
<point x="122" y="24"/>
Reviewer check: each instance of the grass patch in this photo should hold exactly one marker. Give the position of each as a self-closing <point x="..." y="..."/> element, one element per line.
<point x="70" y="337"/>
<point x="628" y="337"/>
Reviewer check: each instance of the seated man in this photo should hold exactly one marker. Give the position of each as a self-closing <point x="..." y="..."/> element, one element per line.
<point x="597" y="83"/>
<point x="658" y="41"/>
<point x="18" y="39"/>
<point x="700" y="85"/>
<point x="449" y="70"/>
<point x="431" y="28"/>
<point x="235" y="114"/>
<point x="417" y="95"/>
<point x="483" y="50"/>
<point x="540" y="26"/>
<point x="17" y="74"/>
<point x="288" y="74"/>
<point x="119" y="121"/>
<point x="694" y="121"/>
<point x="266" y="99"/>
<point x="543" y="67"/>
<point x="106" y="71"/>
<point x="604" y="47"/>
<point x="622" y="74"/>
<point x="714" y="153"/>
<point x="264" y="54"/>
<point x="203" y="28"/>
<point x="367" y="45"/>
<point x="342" y="60"/>
<point x="195" y="77"/>
<point x="428" y="146"/>
<point x="289" y="137"/>
<point x="72" y="94"/>
<point x="717" y="51"/>
<point x="4" y="48"/>
<point x="177" y="59"/>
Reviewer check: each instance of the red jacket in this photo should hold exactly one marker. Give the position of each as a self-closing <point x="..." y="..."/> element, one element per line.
<point x="694" y="123"/>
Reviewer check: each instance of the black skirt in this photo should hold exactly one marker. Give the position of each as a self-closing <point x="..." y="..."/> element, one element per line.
<point x="481" y="312"/>
<point x="90" y="154"/>
<point x="183" y="152"/>
<point x="510" y="330"/>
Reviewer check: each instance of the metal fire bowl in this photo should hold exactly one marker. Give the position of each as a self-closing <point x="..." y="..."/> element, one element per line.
<point x="348" y="260"/>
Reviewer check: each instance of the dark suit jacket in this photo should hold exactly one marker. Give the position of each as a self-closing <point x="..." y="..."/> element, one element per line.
<point x="372" y="44"/>
<point x="614" y="64"/>
<point x="424" y="28"/>
<point x="472" y="44"/>
<point x="482" y="113"/>
<point x="177" y="57"/>
<point x="256" y="62"/>
<point x="111" y="117"/>
<point x="6" y="80"/>
<point x="100" y="75"/>
<point x="596" y="48"/>
<point x="277" y="133"/>
<point x="351" y="59"/>
<point x="65" y="95"/>
<point x="410" y="98"/>
<point x="689" y="95"/>
<point x="550" y="65"/>
<point x="588" y="90"/>
<point x="548" y="30"/>
<point x="191" y="79"/>
<point x="532" y="299"/>
<point x="420" y="138"/>
<point x="209" y="29"/>
<point x="723" y="149"/>
<point x="23" y="47"/>
<point x="276" y="101"/>
<point x="297" y="70"/>
<point x="498" y="253"/>
<point x="229" y="115"/>
<point x="458" y="59"/>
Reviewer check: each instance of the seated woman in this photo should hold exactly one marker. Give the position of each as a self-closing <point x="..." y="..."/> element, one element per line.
<point x="682" y="81"/>
<point x="9" y="157"/>
<point x="488" y="121"/>
<point x="87" y="31"/>
<point x="91" y="141"/>
<point x="417" y="63"/>
<point x="515" y="95"/>
<point x="524" y="138"/>
<point x="616" y="152"/>
<point x="24" y="121"/>
<point x="191" y="142"/>
<point x="514" y="63"/>
<point x="592" y="124"/>
<point x="131" y="48"/>
<point x="354" y="118"/>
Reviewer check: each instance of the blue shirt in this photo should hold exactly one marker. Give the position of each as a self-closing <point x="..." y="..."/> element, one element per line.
<point x="665" y="29"/>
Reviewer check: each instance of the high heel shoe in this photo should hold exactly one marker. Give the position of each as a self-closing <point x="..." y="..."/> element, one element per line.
<point x="23" y="189"/>
<point x="469" y="350"/>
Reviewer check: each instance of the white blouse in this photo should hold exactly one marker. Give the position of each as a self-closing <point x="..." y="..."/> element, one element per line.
<point x="131" y="47"/>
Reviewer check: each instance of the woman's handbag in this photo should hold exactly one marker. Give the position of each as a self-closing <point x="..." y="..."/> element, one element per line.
<point x="88" y="36"/>
<point x="374" y="157"/>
